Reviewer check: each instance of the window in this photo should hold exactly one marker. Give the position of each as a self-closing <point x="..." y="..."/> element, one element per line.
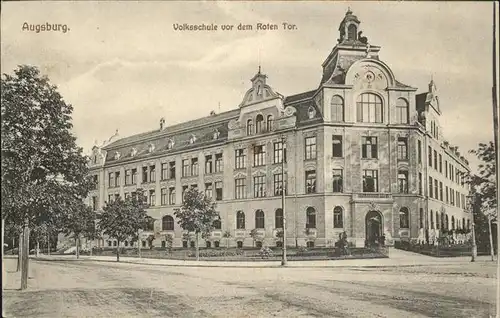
<point x="279" y="152"/>
<point x="111" y="179"/>
<point x="278" y="218"/>
<point x="429" y="153"/>
<point x="186" y="171"/>
<point x="337" y="108"/>
<point x="218" y="190"/>
<point x="437" y="220"/>
<point x="310" y="218"/>
<point x="115" y="243"/>
<point x="430" y="188"/>
<point x="152" y="198"/>
<point x="239" y="158"/>
<point x="171" y="168"/>
<point x="109" y="243"/>
<point x="436" y="189"/>
<point x="144" y="174"/>
<point x="117" y="196"/>
<point x="421" y="218"/>
<point x="403" y="181"/>
<point x="164" y="196"/>
<point x="458" y="199"/>
<point x="259" y="186"/>
<point x="259" y="219"/>
<point x="209" y="191"/>
<point x="337" y="180"/>
<point x="249" y="127"/>
<point x="184" y="189"/>
<point x="217" y="224"/>
<point x="452" y="197"/>
<point x="432" y="219"/>
<point x="369" y="108"/>
<point x="259" y="123"/>
<point x="240" y="220"/>
<point x="259" y="155"/>
<point x="404" y="218"/>
<point x="452" y="222"/>
<point x="117" y="179"/>
<point x="419" y="151"/>
<point x="337" y="146"/>
<point x="94" y="203"/>
<point x="402" y="148"/>
<point x="440" y="190"/>
<point x="351" y="32"/>
<point x="240" y="188"/>
<point x="420" y="186"/>
<point x="310" y="148"/>
<point x="152" y="174"/>
<point x="440" y="163"/>
<point x="435" y="160"/>
<point x="218" y="162"/>
<point x="128" y="175"/>
<point x="446" y="194"/>
<point x="239" y="244"/>
<point x="278" y="184"/>
<point x="171" y="196"/>
<point x="401" y="111"/>
<point x="338" y="218"/>
<point x="164" y="171"/>
<point x="270" y="122"/>
<point x="217" y="244"/>
<point x="208" y="164"/>
<point x="167" y="223"/>
<point x="311" y="181"/>
<point x="194" y="166"/>
<point x="370" y="181"/>
<point x="369" y="147"/>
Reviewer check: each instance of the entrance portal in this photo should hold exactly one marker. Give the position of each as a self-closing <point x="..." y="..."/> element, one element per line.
<point x="373" y="228"/>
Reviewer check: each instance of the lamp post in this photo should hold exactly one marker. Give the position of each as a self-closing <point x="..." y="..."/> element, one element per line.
<point x="470" y="197"/>
<point x="283" y="189"/>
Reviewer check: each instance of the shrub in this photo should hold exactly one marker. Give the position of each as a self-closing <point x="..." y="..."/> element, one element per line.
<point x="266" y="252"/>
<point x="301" y="250"/>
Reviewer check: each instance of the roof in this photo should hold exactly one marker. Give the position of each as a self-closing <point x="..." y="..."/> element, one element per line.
<point x="297" y="97"/>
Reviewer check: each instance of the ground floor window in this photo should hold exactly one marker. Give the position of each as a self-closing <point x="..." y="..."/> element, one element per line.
<point x="310" y="244"/>
<point x="115" y="243"/>
<point x="258" y="244"/>
<point x="208" y="244"/>
<point x="193" y="244"/>
<point x="143" y="243"/>
<point x="239" y="244"/>
<point x="126" y="243"/>
<point x="109" y="243"/>
<point x="185" y="244"/>
<point x="216" y="243"/>
<point x="163" y="244"/>
<point x="279" y="244"/>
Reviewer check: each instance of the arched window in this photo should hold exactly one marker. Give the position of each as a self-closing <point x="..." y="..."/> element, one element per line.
<point x="337" y="108"/>
<point x="217" y="225"/>
<point x="468" y="224"/>
<point x="447" y="222"/>
<point x="432" y="219"/>
<point x="421" y="216"/>
<point x="259" y="122"/>
<point x="240" y="220"/>
<point x="249" y="127"/>
<point x="452" y="222"/>
<point x="167" y="223"/>
<point x="310" y="218"/>
<point x="351" y="32"/>
<point x="404" y="218"/>
<point x="401" y="111"/>
<point x="443" y="221"/>
<point x="437" y="221"/>
<point x="278" y="218"/>
<point x="270" y="122"/>
<point x="369" y="108"/>
<point x="338" y="218"/>
<point x="463" y="223"/>
<point x="259" y="219"/>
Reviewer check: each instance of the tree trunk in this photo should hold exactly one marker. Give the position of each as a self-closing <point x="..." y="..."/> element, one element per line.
<point x="77" y="242"/>
<point x="3" y="263"/>
<point x="227" y="242"/>
<point x="492" y="252"/>
<point x="37" y="248"/>
<point x="25" y="256"/>
<point x="20" y="252"/>
<point x="91" y="246"/>
<point x="197" y="246"/>
<point x="118" y="251"/>
<point x="48" y="242"/>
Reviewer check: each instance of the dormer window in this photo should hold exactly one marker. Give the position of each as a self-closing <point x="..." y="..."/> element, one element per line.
<point x="117" y="155"/>
<point x="270" y="122"/>
<point x="151" y="147"/>
<point x="192" y="139"/>
<point x="351" y="32"/>
<point x="133" y="152"/>
<point x="311" y="112"/>
<point x="249" y="127"/>
<point x="216" y="134"/>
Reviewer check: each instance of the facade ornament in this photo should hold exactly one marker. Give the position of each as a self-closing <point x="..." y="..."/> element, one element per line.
<point x="192" y="139"/>
<point x="133" y="152"/>
<point x="170" y="144"/>
<point x="368" y="50"/>
<point x="311" y="112"/>
<point x="151" y="147"/>
<point x="216" y="134"/>
<point x="117" y="155"/>
<point x="162" y="123"/>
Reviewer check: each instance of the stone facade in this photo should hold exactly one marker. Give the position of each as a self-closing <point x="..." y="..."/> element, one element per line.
<point x="402" y="124"/>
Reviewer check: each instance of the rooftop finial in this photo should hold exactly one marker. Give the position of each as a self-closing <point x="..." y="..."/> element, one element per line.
<point x="259" y="69"/>
<point x="348" y="11"/>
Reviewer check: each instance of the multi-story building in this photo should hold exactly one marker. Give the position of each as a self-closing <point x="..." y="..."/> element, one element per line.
<point x="363" y="154"/>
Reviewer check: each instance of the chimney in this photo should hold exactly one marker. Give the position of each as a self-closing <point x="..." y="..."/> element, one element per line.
<point x="162" y="123"/>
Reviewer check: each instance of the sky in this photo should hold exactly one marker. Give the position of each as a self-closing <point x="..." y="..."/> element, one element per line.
<point x="123" y="66"/>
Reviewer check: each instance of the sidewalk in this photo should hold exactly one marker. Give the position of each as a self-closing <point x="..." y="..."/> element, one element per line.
<point x="397" y="259"/>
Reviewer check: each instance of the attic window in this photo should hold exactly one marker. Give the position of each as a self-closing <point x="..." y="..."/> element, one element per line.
<point x="311" y="112"/>
<point x="133" y="152"/>
<point x="192" y="139"/>
<point x="216" y="134"/>
<point x="151" y="147"/>
<point x="117" y="155"/>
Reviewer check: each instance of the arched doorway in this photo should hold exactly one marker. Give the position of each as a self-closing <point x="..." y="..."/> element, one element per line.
<point x="373" y="226"/>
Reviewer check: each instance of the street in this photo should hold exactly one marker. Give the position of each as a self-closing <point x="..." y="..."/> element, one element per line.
<point x="87" y="288"/>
